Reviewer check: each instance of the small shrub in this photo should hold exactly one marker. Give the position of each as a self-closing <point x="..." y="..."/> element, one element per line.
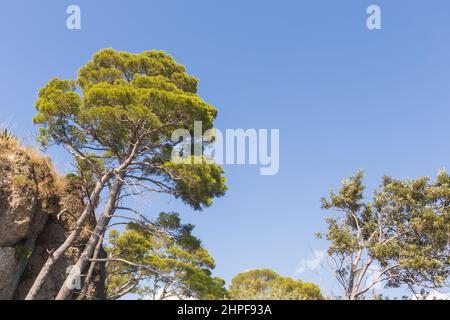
<point x="20" y="181"/>
<point x="7" y="139"/>
<point x="23" y="252"/>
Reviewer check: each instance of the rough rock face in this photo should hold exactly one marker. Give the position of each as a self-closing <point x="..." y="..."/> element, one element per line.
<point x="9" y="265"/>
<point x="53" y="235"/>
<point x="31" y="197"/>
<point x="51" y="238"/>
<point x="21" y="200"/>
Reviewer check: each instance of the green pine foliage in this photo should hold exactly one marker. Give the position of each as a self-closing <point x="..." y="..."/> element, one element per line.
<point x="166" y="261"/>
<point x="265" y="284"/>
<point x="403" y="232"/>
<point x="121" y="100"/>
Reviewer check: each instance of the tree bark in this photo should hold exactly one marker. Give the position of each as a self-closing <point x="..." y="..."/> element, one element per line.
<point x="85" y="288"/>
<point x="55" y="256"/>
<point x="67" y="289"/>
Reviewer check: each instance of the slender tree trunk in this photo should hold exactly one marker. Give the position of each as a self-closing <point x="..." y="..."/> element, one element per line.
<point x="85" y="288"/>
<point x="55" y="256"/>
<point x="351" y="281"/>
<point x="67" y="288"/>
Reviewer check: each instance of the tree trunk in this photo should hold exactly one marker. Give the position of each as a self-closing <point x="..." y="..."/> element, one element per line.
<point x="67" y="288"/>
<point x="87" y="279"/>
<point x="55" y="256"/>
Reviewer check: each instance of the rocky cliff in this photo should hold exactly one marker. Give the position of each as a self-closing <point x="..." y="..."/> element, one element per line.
<point x="38" y="210"/>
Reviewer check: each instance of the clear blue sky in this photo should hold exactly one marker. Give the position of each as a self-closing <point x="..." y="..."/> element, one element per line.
<point x="342" y="96"/>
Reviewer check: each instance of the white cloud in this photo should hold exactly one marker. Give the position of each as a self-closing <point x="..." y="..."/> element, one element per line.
<point x="435" y="295"/>
<point x="313" y="263"/>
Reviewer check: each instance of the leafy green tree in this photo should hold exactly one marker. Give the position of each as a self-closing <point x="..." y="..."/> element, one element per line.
<point x="265" y="284"/>
<point x="116" y="119"/>
<point x="161" y="260"/>
<point x="402" y="236"/>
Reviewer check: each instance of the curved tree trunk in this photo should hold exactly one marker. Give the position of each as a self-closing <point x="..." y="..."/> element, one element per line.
<point x="55" y="256"/>
<point x="82" y="263"/>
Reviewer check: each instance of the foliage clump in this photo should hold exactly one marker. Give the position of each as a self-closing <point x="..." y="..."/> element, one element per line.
<point x="161" y="260"/>
<point x="402" y="234"/>
<point x="265" y="284"/>
<point x="7" y="139"/>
